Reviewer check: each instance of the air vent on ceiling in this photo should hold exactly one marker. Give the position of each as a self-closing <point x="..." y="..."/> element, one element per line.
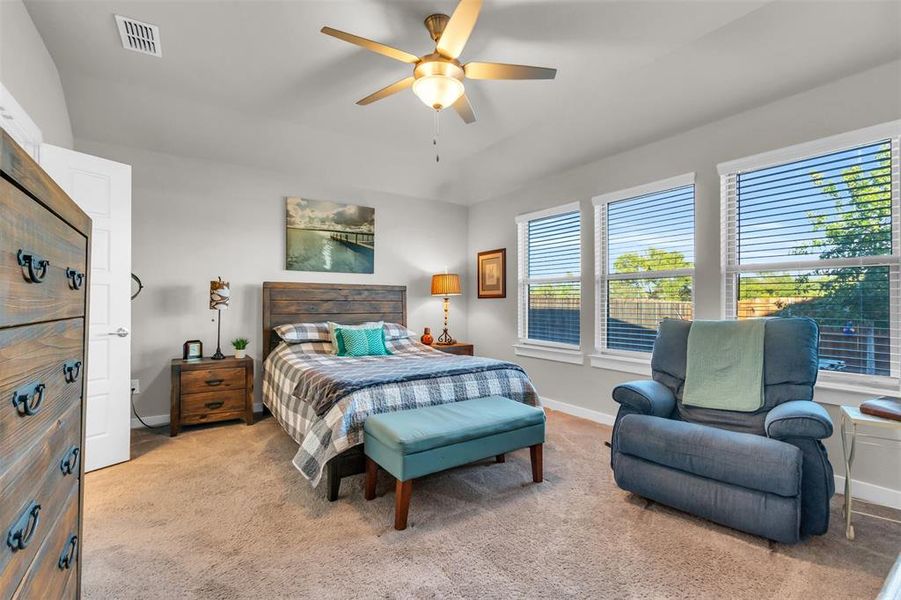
<point x="138" y="36"/>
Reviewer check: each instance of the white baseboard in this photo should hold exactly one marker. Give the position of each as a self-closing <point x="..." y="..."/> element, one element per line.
<point x="159" y="420"/>
<point x="869" y="492"/>
<point x="578" y="411"/>
<point x="862" y="490"/>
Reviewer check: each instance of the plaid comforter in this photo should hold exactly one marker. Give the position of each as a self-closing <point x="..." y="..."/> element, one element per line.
<point x="289" y="395"/>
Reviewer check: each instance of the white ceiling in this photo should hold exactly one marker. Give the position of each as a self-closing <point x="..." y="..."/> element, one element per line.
<point x="255" y="83"/>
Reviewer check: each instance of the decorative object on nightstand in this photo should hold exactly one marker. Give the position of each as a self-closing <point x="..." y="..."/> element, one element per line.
<point x="219" y="297"/>
<point x="492" y="273"/>
<point x="427" y="338"/>
<point x="240" y="346"/>
<point x="192" y="350"/>
<point x="455" y="348"/>
<point x="208" y="390"/>
<point x="851" y="418"/>
<point x="445" y="285"/>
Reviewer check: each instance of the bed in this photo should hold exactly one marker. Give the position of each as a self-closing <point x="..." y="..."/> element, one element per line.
<point x="326" y="419"/>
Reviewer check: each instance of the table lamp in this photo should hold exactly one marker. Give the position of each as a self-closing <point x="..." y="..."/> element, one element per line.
<point x="445" y="285"/>
<point x="219" y="296"/>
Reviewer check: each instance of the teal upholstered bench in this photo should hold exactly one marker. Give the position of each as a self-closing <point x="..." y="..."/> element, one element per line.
<point x="412" y="443"/>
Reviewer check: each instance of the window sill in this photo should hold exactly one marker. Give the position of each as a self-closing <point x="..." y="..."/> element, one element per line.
<point x="825" y="381"/>
<point x="564" y="355"/>
<point x="640" y="365"/>
<point x="836" y="382"/>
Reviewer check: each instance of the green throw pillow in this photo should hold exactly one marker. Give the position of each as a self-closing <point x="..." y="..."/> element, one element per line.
<point x="362" y="342"/>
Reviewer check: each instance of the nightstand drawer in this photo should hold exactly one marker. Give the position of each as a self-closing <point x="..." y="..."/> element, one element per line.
<point x="208" y="380"/>
<point x="198" y="407"/>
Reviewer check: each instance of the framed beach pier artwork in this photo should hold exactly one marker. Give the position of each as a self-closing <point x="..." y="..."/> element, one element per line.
<point x="329" y="236"/>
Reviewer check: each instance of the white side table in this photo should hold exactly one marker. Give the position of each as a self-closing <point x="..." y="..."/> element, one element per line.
<point x="851" y="418"/>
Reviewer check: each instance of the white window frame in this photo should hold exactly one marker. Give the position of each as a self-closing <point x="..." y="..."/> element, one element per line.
<point x="626" y="360"/>
<point x="569" y="353"/>
<point x="729" y="171"/>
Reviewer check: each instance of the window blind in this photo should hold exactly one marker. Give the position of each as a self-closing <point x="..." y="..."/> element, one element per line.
<point x="820" y="237"/>
<point x="645" y="263"/>
<point x="550" y="289"/>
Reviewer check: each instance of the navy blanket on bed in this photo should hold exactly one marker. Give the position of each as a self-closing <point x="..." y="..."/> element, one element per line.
<point x="330" y="381"/>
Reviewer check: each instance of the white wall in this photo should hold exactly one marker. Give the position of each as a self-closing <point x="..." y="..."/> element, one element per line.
<point x="194" y="220"/>
<point x="867" y="98"/>
<point x="30" y="75"/>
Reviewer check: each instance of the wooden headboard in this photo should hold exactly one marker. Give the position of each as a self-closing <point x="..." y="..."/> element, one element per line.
<point x="289" y="302"/>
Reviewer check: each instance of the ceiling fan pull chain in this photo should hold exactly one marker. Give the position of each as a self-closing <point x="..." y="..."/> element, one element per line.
<point x="435" y="139"/>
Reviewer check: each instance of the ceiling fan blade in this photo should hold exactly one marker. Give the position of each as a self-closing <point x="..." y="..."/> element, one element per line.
<point x="457" y="31"/>
<point x="483" y="70"/>
<point x="464" y="109"/>
<point x="386" y="91"/>
<point x="372" y="46"/>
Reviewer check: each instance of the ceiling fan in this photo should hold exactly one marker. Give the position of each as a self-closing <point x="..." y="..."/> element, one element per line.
<point x="438" y="77"/>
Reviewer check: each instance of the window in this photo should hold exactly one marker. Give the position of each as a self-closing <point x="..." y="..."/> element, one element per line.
<point x="550" y="283"/>
<point x="813" y="231"/>
<point x="644" y="263"/>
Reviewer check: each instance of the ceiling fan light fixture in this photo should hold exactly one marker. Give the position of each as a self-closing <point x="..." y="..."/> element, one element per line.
<point x="438" y="91"/>
<point x="439" y="82"/>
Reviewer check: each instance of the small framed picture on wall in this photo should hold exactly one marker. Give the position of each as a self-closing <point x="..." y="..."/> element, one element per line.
<point x="492" y="270"/>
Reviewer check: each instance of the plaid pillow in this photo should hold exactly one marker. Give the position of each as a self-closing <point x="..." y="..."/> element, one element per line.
<point x="396" y="331"/>
<point x="294" y="333"/>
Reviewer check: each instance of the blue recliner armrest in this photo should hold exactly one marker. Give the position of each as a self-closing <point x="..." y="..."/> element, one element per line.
<point x="646" y="397"/>
<point x="798" y="419"/>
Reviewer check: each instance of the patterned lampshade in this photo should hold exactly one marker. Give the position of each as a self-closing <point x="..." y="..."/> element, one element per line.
<point x="446" y="284"/>
<point x="219" y="295"/>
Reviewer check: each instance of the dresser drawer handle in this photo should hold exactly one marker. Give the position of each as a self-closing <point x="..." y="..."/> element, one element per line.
<point x="71" y="551"/>
<point x="23" y="529"/>
<point x="71" y="370"/>
<point x="27" y="400"/>
<point x="214" y="405"/>
<point x="214" y="381"/>
<point x="69" y="463"/>
<point x="36" y="265"/>
<point x="76" y="278"/>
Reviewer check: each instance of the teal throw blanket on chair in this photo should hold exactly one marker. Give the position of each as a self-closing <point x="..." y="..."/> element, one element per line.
<point x="724" y="369"/>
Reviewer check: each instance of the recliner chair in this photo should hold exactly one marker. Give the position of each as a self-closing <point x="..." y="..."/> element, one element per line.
<point x="765" y="472"/>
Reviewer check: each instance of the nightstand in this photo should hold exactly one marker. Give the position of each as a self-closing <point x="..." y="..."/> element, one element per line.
<point x="455" y="348"/>
<point x="206" y="390"/>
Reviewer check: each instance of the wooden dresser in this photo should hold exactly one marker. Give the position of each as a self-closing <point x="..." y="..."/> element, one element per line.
<point x="44" y="261"/>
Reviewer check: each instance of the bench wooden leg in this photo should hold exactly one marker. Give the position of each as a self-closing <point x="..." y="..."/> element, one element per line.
<point x="372" y="471"/>
<point x="501" y="458"/>
<point x="535" y="453"/>
<point x="403" y="491"/>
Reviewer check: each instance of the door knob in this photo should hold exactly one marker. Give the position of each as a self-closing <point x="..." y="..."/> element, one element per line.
<point x="121" y="332"/>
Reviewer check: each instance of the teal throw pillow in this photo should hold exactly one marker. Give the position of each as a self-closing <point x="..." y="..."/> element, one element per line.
<point x="362" y="342"/>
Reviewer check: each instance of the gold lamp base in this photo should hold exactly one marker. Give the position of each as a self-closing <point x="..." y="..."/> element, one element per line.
<point x="445" y="338"/>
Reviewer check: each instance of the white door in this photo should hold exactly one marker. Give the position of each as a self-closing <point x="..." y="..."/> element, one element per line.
<point x="102" y="188"/>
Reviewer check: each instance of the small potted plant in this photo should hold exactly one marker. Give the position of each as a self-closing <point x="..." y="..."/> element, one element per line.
<point x="240" y="345"/>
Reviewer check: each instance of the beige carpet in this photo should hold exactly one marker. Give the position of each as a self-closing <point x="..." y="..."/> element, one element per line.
<point x="219" y="512"/>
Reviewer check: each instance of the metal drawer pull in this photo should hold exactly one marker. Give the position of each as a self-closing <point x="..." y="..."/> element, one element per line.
<point x="69" y="553"/>
<point x="71" y="370"/>
<point x="214" y="381"/>
<point x="37" y="265"/>
<point x="76" y="278"/>
<point x="69" y="463"/>
<point x="214" y="405"/>
<point x="27" y="400"/>
<point x="23" y="529"/>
